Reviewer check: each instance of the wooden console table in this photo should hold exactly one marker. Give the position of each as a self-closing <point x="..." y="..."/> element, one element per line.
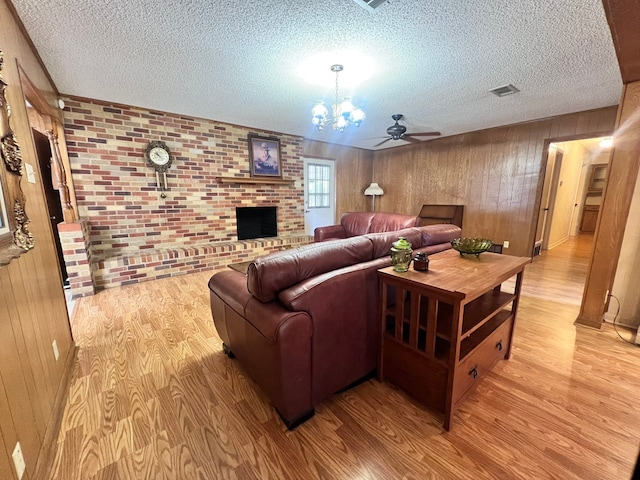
<point x="444" y="329"/>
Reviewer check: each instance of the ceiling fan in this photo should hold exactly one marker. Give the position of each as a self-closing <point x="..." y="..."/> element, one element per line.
<point x="397" y="132"/>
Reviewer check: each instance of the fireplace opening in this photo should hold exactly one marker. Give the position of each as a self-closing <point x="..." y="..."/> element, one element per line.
<point x="256" y="222"/>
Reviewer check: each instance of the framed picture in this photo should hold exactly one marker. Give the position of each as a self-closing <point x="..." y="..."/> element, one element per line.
<point x="264" y="156"/>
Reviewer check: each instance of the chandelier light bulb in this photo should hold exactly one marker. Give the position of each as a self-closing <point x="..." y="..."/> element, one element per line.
<point x="319" y="110"/>
<point x="357" y="116"/>
<point x="346" y="107"/>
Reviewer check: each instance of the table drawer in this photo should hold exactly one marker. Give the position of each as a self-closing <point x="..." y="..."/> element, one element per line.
<point x="482" y="359"/>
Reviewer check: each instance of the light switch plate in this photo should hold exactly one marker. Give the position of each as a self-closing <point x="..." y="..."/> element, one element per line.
<point x="31" y="175"/>
<point x="56" y="353"/>
<point x="18" y="460"/>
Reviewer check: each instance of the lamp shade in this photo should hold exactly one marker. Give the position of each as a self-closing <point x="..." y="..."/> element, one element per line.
<point x="374" y="189"/>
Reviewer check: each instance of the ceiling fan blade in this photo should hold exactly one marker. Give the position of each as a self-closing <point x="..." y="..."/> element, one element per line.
<point x="408" y="138"/>
<point x="384" y="141"/>
<point x="425" y="134"/>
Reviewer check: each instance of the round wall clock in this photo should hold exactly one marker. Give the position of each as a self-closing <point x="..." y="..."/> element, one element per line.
<point x="159" y="156"/>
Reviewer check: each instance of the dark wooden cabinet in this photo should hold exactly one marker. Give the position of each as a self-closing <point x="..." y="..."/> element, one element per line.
<point x="444" y="329"/>
<point x="433" y="214"/>
<point x="589" y="218"/>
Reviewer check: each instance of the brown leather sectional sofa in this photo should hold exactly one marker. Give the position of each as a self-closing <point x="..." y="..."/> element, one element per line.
<point x="304" y="322"/>
<point x="360" y="223"/>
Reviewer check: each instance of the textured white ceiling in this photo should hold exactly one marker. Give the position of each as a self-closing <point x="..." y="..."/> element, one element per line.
<point x="238" y="61"/>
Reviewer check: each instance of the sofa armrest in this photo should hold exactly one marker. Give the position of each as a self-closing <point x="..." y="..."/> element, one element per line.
<point x="331" y="232"/>
<point x="274" y="345"/>
<point x="232" y="287"/>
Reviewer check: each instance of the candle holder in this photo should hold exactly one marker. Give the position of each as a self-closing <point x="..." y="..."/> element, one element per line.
<point x="421" y="262"/>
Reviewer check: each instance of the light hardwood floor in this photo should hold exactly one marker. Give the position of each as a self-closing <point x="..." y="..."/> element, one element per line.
<point x="153" y="397"/>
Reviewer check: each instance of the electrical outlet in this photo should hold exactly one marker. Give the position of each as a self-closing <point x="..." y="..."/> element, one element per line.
<point x="56" y="353"/>
<point x="505" y="244"/>
<point x="18" y="460"/>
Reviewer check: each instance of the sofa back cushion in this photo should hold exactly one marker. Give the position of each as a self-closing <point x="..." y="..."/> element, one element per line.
<point x="356" y="223"/>
<point x="361" y="223"/>
<point x="441" y="233"/>
<point x="269" y="275"/>
<point x="390" y="222"/>
<point x="382" y="242"/>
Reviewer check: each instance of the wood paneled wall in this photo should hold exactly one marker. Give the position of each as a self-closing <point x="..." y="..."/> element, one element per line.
<point x="354" y="173"/>
<point x="614" y="210"/>
<point x="495" y="173"/>
<point x="33" y="311"/>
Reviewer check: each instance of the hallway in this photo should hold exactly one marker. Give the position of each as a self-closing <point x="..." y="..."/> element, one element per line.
<point x="559" y="274"/>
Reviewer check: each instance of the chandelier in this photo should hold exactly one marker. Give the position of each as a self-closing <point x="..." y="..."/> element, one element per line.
<point x="344" y="113"/>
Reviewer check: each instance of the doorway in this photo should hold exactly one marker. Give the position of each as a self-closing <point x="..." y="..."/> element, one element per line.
<point x="549" y="193"/>
<point x="52" y="197"/>
<point x="566" y="190"/>
<point x="319" y="193"/>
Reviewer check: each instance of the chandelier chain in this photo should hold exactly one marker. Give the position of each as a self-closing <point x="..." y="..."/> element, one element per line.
<point x="336" y="105"/>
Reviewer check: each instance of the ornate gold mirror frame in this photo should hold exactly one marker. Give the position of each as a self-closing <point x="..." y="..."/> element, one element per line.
<point x="15" y="238"/>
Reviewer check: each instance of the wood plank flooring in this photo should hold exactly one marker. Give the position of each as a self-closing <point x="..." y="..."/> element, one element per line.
<point x="154" y="397"/>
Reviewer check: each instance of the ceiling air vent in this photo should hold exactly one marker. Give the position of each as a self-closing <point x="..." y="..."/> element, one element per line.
<point x="370" y="5"/>
<point x="504" y="91"/>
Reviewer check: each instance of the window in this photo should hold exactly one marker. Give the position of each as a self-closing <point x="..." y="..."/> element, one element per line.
<point x="319" y="185"/>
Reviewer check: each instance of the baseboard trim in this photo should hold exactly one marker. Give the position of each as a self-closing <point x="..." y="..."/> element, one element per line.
<point x="49" y="444"/>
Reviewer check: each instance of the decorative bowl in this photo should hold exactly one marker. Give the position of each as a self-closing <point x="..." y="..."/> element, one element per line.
<point x="471" y="246"/>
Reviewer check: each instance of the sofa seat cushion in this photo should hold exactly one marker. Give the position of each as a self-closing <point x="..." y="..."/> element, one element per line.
<point x="269" y="275"/>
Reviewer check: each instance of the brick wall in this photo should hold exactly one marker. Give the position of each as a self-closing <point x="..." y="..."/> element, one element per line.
<point x="74" y="238"/>
<point x="116" y="189"/>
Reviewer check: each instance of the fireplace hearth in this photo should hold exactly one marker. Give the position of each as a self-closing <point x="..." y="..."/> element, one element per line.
<point x="256" y="222"/>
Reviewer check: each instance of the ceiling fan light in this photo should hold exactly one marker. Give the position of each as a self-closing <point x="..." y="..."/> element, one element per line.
<point x="341" y="123"/>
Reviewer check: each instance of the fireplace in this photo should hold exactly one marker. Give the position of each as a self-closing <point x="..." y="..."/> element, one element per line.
<point x="256" y="222"/>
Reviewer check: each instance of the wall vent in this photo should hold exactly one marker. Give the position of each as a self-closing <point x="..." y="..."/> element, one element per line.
<point x="370" y="5"/>
<point x="504" y="90"/>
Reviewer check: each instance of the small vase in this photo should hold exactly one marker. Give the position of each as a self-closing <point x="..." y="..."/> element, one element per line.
<point x="401" y="255"/>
